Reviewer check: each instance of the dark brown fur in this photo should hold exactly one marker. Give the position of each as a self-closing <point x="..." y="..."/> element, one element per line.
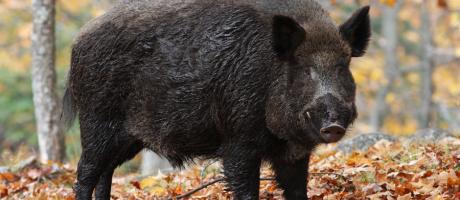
<point x="244" y="81"/>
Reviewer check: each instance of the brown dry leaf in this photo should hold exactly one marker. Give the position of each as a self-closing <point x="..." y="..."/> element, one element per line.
<point x="453" y="181"/>
<point x="168" y="178"/>
<point x="3" y="191"/>
<point x="442" y="178"/>
<point x="443" y="4"/>
<point x="405" y="175"/>
<point x="357" y="158"/>
<point x="405" y="197"/>
<point x="426" y="174"/>
<point x="136" y="184"/>
<point x="176" y="190"/>
<point x="372" y="189"/>
<point x="7" y="176"/>
<point x="34" y="173"/>
<point x="398" y="172"/>
<point x="404" y="188"/>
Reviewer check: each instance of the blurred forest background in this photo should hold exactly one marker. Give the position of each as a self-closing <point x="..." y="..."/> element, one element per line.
<point x="409" y="80"/>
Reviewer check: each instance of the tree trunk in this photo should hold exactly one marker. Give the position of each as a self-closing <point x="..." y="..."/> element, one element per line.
<point x="47" y="106"/>
<point x="152" y="163"/>
<point x="446" y="113"/>
<point x="2" y="137"/>
<point x="391" y="71"/>
<point x="427" y="66"/>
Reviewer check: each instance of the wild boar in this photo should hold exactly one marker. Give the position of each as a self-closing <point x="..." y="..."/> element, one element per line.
<point x="243" y="81"/>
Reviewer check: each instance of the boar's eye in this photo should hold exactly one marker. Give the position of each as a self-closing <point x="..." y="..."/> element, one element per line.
<point x="342" y="67"/>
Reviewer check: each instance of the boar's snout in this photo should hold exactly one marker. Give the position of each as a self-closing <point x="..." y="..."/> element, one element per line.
<point x="332" y="116"/>
<point x="332" y="133"/>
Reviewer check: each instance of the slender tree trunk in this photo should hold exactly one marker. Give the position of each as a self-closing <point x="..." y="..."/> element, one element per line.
<point x="391" y="71"/>
<point x="47" y="106"/>
<point x="152" y="163"/>
<point x="446" y="113"/>
<point x="2" y="137"/>
<point x="427" y="66"/>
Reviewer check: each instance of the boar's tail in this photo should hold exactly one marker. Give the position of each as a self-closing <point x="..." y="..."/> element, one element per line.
<point x="69" y="109"/>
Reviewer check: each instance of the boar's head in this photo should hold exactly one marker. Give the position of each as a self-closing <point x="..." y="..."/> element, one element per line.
<point x="312" y="99"/>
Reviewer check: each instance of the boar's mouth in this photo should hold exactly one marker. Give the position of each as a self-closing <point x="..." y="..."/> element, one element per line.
<point x="331" y="133"/>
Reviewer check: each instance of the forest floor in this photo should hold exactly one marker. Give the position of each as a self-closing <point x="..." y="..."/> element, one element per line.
<point x="387" y="170"/>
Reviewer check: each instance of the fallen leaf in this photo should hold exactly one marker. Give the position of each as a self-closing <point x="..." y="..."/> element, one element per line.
<point x="135" y="184"/>
<point x="7" y="176"/>
<point x="34" y="173"/>
<point x="3" y="191"/>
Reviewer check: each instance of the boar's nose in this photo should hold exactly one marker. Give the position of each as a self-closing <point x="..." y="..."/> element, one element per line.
<point x="332" y="133"/>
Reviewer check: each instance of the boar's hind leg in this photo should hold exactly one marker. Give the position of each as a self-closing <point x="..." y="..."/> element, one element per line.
<point x="126" y="151"/>
<point x="292" y="178"/>
<point x="90" y="167"/>
<point x="98" y="150"/>
<point x="242" y="170"/>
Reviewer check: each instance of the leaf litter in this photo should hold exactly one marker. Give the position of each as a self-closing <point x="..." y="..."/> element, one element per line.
<point x="387" y="170"/>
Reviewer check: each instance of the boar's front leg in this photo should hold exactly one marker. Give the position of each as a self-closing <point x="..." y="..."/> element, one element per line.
<point x="242" y="170"/>
<point x="292" y="177"/>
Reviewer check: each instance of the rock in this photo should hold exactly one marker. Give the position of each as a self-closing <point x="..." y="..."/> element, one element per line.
<point x="362" y="142"/>
<point x="429" y="135"/>
<point x="4" y="169"/>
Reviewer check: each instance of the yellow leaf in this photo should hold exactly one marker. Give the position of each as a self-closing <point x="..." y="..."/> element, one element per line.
<point x="158" y="191"/>
<point x="438" y="197"/>
<point x="357" y="158"/>
<point x="148" y="182"/>
<point x="74" y="6"/>
<point x="443" y="4"/>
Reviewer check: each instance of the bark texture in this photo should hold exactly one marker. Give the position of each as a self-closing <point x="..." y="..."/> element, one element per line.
<point x="47" y="106"/>
<point x="427" y="66"/>
<point x="391" y="70"/>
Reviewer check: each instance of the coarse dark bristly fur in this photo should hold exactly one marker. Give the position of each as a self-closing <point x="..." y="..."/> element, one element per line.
<point x="243" y="81"/>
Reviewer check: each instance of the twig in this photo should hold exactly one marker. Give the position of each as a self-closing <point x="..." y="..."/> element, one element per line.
<point x="27" y="162"/>
<point x="187" y="194"/>
<point x="328" y="173"/>
<point x="24" y="163"/>
<point x="197" y="189"/>
<point x="203" y="171"/>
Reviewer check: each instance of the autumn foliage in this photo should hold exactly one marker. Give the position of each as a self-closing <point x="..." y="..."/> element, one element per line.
<point x="387" y="170"/>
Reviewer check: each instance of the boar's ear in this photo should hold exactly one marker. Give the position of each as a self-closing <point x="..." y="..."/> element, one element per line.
<point x="287" y="36"/>
<point x="357" y="31"/>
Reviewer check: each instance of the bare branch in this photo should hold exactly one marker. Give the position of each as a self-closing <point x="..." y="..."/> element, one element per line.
<point x="203" y="186"/>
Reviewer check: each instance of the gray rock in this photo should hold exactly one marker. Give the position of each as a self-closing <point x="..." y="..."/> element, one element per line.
<point x="429" y="135"/>
<point x="362" y="142"/>
<point x="4" y="169"/>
